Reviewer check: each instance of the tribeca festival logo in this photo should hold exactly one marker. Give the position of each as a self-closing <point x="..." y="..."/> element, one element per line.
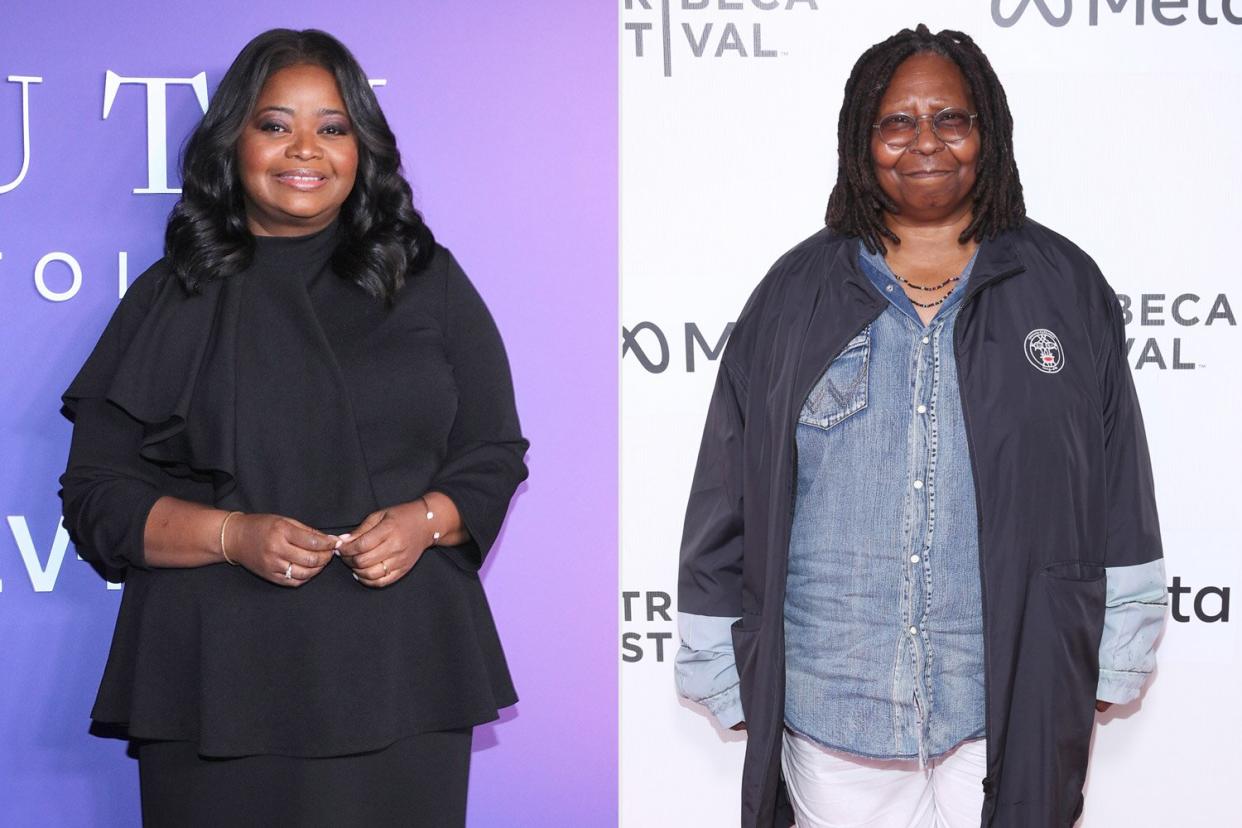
<point x="704" y="29"/>
<point x="1182" y="313"/>
<point x="643" y="609"/>
<point x="1058" y="13"/>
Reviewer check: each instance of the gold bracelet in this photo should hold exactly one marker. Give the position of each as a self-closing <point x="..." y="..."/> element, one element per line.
<point x="224" y="552"/>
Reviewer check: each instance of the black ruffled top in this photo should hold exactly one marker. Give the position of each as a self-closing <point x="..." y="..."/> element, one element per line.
<point x="287" y="389"/>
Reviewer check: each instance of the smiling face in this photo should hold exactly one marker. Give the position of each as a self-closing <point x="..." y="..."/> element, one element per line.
<point x="930" y="181"/>
<point x="297" y="156"/>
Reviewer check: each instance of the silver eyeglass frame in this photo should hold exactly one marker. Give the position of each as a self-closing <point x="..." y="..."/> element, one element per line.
<point x="918" y="128"/>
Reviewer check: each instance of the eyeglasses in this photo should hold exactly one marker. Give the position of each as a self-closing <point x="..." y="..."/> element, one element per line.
<point x="950" y="125"/>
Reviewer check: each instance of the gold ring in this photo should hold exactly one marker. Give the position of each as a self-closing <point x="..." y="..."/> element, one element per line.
<point x="385" y="563"/>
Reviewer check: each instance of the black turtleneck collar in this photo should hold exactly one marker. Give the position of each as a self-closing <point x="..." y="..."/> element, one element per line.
<point x="296" y="251"/>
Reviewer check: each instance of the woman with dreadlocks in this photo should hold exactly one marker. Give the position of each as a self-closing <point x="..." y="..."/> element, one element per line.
<point x="921" y="547"/>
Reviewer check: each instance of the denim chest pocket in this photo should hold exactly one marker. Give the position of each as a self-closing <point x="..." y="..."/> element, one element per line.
<point x="842" y="389"/>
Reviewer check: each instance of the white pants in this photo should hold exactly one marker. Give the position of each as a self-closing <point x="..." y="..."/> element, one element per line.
<point x="836" y="790"/>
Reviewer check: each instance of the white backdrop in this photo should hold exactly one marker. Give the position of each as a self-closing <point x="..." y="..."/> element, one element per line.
<point x="1127" y="128"/>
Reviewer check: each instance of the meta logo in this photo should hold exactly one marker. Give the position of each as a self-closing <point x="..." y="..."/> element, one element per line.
<point x="1157" y="310"/>
<point x="1164" y="12"/>
<point x="157" y="92"/>
<point x="650" y="607"/>
<point x="1211" y="603"/>
<point x="648" y="344"/>
<point x="705" y="31"/>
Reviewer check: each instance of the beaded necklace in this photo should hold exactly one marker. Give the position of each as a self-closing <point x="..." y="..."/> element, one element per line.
<point x="927" y="288"/>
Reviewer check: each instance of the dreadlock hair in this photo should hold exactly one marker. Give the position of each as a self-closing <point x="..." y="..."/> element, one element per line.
<point x="857" y="203"/>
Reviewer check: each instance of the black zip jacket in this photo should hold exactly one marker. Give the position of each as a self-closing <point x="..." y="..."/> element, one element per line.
<point x="1061" y="473"/>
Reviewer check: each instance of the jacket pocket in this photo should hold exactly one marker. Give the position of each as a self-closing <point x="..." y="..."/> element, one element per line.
<point x="1074" y="571"/>
<point x="1074" y="594"/>
<point x="842" y="389"/>
<point x="1052" y="708"/>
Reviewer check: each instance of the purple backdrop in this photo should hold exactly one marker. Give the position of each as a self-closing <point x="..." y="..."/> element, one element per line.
<point x="506" y="116"/>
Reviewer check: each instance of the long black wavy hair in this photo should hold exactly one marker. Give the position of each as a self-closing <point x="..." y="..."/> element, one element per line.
<point x="384" y="239"/>
<point x="857" y="203"/>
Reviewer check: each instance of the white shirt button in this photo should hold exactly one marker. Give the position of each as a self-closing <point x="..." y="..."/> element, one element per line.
<point x="922" y="409"/>
<point x="914" y="631"/>
<point x="889" y="288"/>
<point x="918" y="484"/>
<point x="914" y="559"/>
<point x="926" y="340"/>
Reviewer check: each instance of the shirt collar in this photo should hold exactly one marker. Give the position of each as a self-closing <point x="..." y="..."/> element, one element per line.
<point x="876" y="269"/>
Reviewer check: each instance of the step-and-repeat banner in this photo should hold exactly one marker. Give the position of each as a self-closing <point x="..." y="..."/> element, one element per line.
<point x="507" y="124"/>
<point x="1126" y="122"/>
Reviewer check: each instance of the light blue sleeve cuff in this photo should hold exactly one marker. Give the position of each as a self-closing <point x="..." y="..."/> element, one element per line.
<point x="726" y="707"/>
<point x="1118" y="687"/>
<point x="1133" y="618"/>
<point x="704" y="667"/>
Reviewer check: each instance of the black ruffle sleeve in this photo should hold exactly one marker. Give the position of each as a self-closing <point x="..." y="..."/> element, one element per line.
<point x="107" y="490"/>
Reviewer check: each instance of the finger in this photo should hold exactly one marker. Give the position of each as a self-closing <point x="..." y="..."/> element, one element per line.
<point x="389" y="561"/>
<point x="299" y="526"/>
<point x="393" y="546"/>
<point x="292" y="575"/>
<point x="311" y="539"/>
<point x="397" y="566"/>
<point x="361" y="544"/>
<point x="394" y="574"/>
<point x="368" y="523"/>
<point x="306" y="538"/>
<point x="376" y="572"/>
<point x="285" y="553"/>
<point x="305" y="558"/>
<point x="385" y="551"/>
<point x="368" y="527"/>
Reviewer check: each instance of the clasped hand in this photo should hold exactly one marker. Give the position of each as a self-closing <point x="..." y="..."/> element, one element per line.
<point x="382" y="550"/>
<point x="386" y="545"/>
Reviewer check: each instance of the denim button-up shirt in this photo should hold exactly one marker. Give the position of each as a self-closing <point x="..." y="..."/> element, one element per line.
<point x="883" y="617"/>
<point x="705" y="666"/>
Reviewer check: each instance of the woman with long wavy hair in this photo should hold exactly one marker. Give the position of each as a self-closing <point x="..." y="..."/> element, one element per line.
<point x="296" y="441"/>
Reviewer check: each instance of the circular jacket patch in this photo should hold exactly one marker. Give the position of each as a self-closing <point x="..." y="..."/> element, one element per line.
<point x="1043" y="350"/>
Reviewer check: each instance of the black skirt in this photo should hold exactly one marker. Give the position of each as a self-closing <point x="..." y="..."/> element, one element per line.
<point x="417" y="781"/>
